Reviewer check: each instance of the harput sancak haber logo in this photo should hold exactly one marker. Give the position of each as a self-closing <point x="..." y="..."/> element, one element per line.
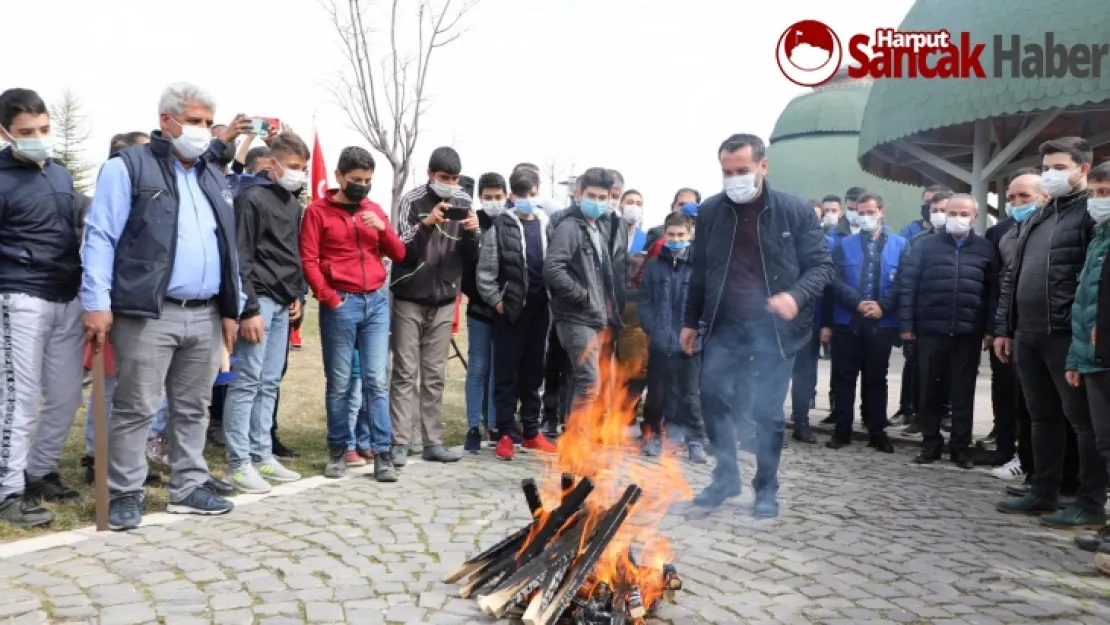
<point x="809" y="53"/>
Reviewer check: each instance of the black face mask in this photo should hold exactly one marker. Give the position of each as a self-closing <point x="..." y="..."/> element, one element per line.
<point x="926" y="208"/>
<point x="356" y="192"/>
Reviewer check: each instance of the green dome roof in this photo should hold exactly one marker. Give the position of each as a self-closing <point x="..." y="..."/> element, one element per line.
<point x="903" y="107"/>
<point x="837" y="109"/>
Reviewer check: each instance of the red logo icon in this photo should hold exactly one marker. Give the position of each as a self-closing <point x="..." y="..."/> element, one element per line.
<point x="809" y="53"/>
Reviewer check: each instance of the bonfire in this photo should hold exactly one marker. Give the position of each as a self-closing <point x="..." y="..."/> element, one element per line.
<point x="593" y="553"/>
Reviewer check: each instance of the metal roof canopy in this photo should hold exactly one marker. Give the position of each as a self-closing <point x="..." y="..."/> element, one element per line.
<point x="972" y="134"/>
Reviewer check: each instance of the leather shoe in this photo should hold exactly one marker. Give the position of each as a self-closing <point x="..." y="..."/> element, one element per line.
<point x="1018" y="490"/>
<point x="962" y="459"/>
<point x="926" y="458"/>
<point x="837" y="442"/>
<point x="804" y="435"/>
<point x="881" y="443"/>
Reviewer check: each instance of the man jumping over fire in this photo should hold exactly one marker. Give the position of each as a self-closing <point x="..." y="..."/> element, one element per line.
<point x="760" y="262"/>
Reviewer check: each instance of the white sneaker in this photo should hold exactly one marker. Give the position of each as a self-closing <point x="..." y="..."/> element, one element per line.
<point x="272" y="470"/>
<point x="246" y="479"/>
<point x="1009" y="471"/>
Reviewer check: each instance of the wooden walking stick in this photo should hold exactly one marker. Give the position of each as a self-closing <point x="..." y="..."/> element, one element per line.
<point x="100" y="439"/>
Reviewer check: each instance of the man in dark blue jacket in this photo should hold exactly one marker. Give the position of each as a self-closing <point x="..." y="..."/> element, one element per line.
<point x="864" y="323"/>
<point x="949" y="295"/>
<point x="40" y="270"/>
<point x="162" y="277"/>
<point x="760" y="263"/>
<point x="925" y="224"/>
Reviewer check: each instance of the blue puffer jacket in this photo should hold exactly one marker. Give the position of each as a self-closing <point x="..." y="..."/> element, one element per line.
<point x="663" y="299"/>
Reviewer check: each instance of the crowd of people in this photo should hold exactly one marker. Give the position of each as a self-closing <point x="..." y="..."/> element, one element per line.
<point x="196" y="250"/>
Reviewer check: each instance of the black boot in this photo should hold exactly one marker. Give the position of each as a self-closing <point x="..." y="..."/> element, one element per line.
<point x="281" y="451"/>
<point x="49" y="488"/>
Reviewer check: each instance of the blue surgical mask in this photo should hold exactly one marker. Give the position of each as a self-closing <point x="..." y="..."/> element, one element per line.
<point x="524" y="206"/>
<point x="594" y="209"/>
<point x="677" y="246"/>
<point x="1021" y="213"/>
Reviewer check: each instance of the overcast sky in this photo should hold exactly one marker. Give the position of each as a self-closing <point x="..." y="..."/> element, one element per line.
<point x="649" y="87"/>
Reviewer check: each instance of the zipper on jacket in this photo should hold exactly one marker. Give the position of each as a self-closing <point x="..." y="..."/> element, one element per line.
<point x="766" y="279"/>
<point x="728" y="262"/>
<point x="955" y="290"/>
<point x="1048" y="265"/>
<point x="361" y="255"/>
<point x="171" y="178"/>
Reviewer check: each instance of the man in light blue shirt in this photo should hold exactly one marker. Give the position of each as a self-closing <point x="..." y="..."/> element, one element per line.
<point x="161" y="283"/>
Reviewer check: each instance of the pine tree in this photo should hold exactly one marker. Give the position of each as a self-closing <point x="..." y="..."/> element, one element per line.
<point x="71" y="131"/>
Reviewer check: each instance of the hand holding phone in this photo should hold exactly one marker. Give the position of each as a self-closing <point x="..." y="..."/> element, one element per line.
<point x="455" y="213"/>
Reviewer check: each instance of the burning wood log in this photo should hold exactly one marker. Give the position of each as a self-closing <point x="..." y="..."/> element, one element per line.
<point x="532" y="496"/>
<point x="512" y="544"/>
<point x="582" y="568"/>
<point x="553" y="563"/>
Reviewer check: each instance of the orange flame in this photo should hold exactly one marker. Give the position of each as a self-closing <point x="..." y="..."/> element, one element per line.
<point x="597" y="443"/>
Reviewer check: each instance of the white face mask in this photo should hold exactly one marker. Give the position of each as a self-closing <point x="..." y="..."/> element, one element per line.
<point x="192" y="142"/>
<point x="868" y="223"/>
<point x="32" y="149"/>
<point x="830" y="220"/>
<point x="1056" y="182"/>
<point x="632" y="214"/>
<point x="291" y="180"/>
<point x="614" y="205"/>
<point x="741" y="189"/>
<point x="957" y="226"/>
<point x="493" y="208"/>
<point x="939" y="220"/>
<point x="444" y="191"/>
<point x="1099" y="208"/>
<point x="852" y="217"/>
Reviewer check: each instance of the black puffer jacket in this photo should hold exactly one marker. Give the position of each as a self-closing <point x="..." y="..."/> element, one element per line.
<point x="476" y="307"/>
<point x="795" y="259"/>
<point x="949" y="290"/>
<point x="1073" y="230"/>
<point x="615" y="233"/>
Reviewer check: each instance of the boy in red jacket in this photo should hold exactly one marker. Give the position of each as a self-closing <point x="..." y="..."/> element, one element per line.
<point x="344" y="238"/>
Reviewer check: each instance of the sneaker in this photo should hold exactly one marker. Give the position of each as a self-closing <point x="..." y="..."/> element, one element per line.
<point x="1029" y="504"/>
<point x="365" y="454"/>
<point x="203" y="502"/>
<point x="697" y="453"/>
<point x="281" y="451"/>
<point x="551" y="429"/>
<point x="273" y="471"/>
<point x="1009" y="471"/>
<point x="216" y="436"/>
<point x="473" y="442"/>
<point x="400" y="455"/>
<point x="804" y="435"/>
<point x="156" y="450"/>
<point x="912" y="430"/>
<point x="505" y="449"/>
<point x="384" y="471"/>
<point x="49" y="488"/>
<point x="22" y="512"/>
<point x="652" y="447"/>
<point x="1091" y="542"/>
<point x="125" y="513"/>
<point x="765" y="506"/>
<point x="337" y="463"/>
<point x="246" y="479"/>
<point x="439" y="453"/>
<point x="1074" y="518"/>
<point x="946" y="423"/>
<point x="354" y="459"/>
<point x="715" y="494"/>
<point x="903" y="417"/>
<point x="829" y="420"/>
<point x="540" y="445"/>
<point x="216" y="486"/>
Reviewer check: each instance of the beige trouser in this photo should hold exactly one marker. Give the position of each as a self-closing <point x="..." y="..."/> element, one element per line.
<point x="421" y="340"/>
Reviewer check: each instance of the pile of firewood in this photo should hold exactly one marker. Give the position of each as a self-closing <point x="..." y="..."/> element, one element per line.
<point x="544" y="572"/>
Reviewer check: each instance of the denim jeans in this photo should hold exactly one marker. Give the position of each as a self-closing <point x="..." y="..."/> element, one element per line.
<point x="362" y="320"/>
<point x="479" y="374"/>
<point x="736" y="353"/>
<point x="357" y="410"/>
<point x="156" y="429"/>
<point x="249" y="406"/>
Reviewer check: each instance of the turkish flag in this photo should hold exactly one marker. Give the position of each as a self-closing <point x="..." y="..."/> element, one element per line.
<point x="319" y="171"/>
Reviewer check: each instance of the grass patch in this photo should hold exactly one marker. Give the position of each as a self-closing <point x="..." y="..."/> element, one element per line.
<point x="301" y="425"/>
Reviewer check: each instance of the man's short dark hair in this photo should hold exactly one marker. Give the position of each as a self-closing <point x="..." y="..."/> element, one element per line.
<point x="870" y="197"/>
<point x="853" y="194"/>
<point x="596" y="177"/>
<point x="445" y="160"/>
<point x="15" y="102"/>
<point x="1075" y="147"/>
<point x="618" y="179"/>
<point x="289" y="143"/>
<point x="354" y="157"/>
<point x="934" y="188"/>
<point x="1100" y="172"/>
<point x="697" y="196"/>
<point x="528" y="166"/>
<point x="738" y="141"/>
<point x="831" y="198"/>
<point x="125" y="140"/>
<point x="523" y="181"/>
<point x="253" y="155"/>
<point x="678" y="218"/>
<point x="941" y="196"/>
<point x="492" y="180"/>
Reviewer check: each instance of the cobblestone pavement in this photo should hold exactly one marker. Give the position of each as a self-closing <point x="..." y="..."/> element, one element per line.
<point x="863" y="538"/>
